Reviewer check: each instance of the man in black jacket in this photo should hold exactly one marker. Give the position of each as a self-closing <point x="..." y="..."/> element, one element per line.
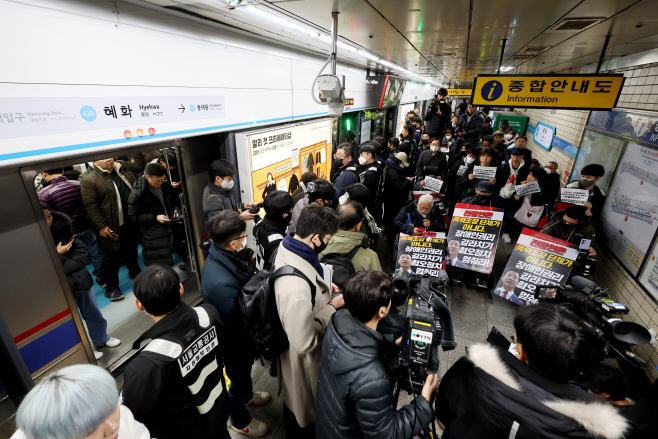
<point x="152" y="205"/>
<point x="355" y="389"/>
<point x="217" y="195"/>
<point x="438" y="115"/>
<point x="471" y="123"/>
<point x="269" y="232"/>
<point x="175" y="385"/>
<point x="589" y="176"/>
<point x="418" y="216"/>
<point x="372" y="177"/>
<point x="432" y="158"/>
<point x="509" y="174"/>
<point x="494" y="394"/>
<point x="73" y="256"/>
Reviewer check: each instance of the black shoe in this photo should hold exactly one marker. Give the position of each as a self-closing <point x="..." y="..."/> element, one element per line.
<point x="107" y="294"/>
<point x="480" y="282"/>
<point x="102" y="283"/>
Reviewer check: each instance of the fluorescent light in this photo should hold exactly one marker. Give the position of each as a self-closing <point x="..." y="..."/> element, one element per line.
<point x="278" y="20"/>
<point x="506" y="69"/>
<point x="368" y="55"/>
<point x="340" y="44"/>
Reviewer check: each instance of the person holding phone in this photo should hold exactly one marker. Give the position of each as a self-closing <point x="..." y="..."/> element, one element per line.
<point x="152" y="206"/>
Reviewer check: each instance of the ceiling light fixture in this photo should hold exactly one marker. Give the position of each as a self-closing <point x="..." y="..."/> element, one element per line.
<point x="341" y="45"/>
<point x="368" y="55"/>
<point x="506" y="69"/>
<point x="278" y="20"/>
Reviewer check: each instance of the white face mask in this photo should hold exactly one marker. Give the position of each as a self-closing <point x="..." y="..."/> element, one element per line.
<point x="444" y="150"/>
<point x="469" y="160"/>
<point x="244" y="244"/>
<point x="508" y="136"/>
<point x="362" y="160"/>
<point x="448" y="137"/>
<point x="434" y="148"/>
<point x="227" y="184"/>
<point x="548" y="170"/>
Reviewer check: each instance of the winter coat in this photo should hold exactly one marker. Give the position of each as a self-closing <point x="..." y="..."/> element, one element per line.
<point x="73" y="261"/>
<point x="437" y="160"/>
<point x="63" y="195"/>
<point x="129" y="428"/>
<point x="269" y="233"/>
<point x="408" y="218"/>
<point x="143" y="209"/>
<point x="348" y="176"/>
<point x="468" y="186"/>
<point x="344" y="242"/>
<point x="596" y="197"/>
<point x="527" y="154"/>
<point x="552" y="189"/>
<point x="396" y="188"/>
<point x="100" y="198"/>
<point x="296" y="211"/>
<point x="300" y="364"/>
<point x="585" y="229"/>
<point x="216" y="199"/>
<point x="491" y="394"/>
<point x="503" y="174"/>
<point x="473" y="201"/>
<point x="221" y="281"/>
<point x="473" y="127"/>
<point x="436" y="122"/>
<point x="355" y="390"/>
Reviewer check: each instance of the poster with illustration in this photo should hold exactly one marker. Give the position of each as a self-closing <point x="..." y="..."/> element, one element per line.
<point x="278" y="157"/>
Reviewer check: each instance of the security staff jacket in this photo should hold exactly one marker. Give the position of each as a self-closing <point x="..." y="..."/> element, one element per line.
<point x="175" y="386"/>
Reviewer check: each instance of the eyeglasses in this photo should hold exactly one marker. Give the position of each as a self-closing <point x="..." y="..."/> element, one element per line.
<point x="157" y="181"/>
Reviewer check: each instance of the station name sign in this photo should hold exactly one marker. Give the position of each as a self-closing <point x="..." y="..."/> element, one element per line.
<point x="459" y="92"/>
<point x="574" y="92"/>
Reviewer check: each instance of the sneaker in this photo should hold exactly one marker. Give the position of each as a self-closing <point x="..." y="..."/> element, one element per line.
<point x="506" y="238"/>
<point x="116" y="295"/>
<point x="259" y="398"/>
<point x="98" y="355"/>
<point x="111" y="343"/>
<point x="107" y="294"/>
<point x="254" y="429"/>
<point x="102" y="283"/>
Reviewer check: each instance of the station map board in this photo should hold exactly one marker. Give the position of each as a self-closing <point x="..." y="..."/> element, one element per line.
<point x="278" y="157"/>
<point x="630" y="214"/>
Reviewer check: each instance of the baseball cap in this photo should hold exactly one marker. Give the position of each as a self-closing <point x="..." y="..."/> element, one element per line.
<point x="485" y="186"/>
<point x="518" y="151"/>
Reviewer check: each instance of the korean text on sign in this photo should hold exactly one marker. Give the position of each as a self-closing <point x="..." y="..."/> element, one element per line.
<point x="574" y="196"/>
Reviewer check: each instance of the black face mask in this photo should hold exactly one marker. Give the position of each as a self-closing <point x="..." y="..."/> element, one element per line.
<point x="568" y="227"/>
<point x="425" y="141"/>
<point x="339" y="162"/>
<point x="483" y="198"/>
<point x="317" y="249"/>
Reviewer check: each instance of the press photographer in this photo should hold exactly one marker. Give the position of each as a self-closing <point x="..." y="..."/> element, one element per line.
<point x="355" y="389"/>
<point x="494" y="394"/>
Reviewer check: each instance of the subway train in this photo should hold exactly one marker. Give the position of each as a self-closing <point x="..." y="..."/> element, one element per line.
<point x="85" y="80"/>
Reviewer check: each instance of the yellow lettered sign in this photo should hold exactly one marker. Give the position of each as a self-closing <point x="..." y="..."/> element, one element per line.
<point x="576" y="92"/>
<point x="459" y="92"/>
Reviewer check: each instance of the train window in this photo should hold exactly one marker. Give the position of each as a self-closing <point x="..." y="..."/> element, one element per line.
<point x="110" y="217"/>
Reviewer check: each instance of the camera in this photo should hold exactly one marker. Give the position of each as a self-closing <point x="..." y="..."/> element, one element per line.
<point x="593" y="306"/>
<point x="427" y="325"/>
<point x="255" y="208"/>
<point x="585" y="264"/>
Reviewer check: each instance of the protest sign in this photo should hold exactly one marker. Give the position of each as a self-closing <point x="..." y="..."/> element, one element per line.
<point x="486" y="172"/>
<point x="433" y="184"/>
<point x="462" y="169"/>
<point x="528" y="188"/>
<point x="421" y="254"/>
<point x="473" y="237"/>
<point x="574" y="196"/>
<point x="537" y="259"/>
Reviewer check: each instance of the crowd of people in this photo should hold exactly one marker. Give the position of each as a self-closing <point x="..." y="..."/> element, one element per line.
<point x="333" y="374"/>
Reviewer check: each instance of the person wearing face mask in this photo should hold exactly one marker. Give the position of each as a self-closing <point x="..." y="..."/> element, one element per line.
<point x="347" y="171"/>
<point x="393" y="145"/>
<point x="269" y="232"/>
<point x="303" y="318"/>
<point x="417" y="124"/>
<point x="225" y="272"/>
<point x="510" y="136"/>
<point x="471" y="123"/>
<point x="449" y="140"/>
<point x="420" y="216"/>
<point x="372" y="176"/>
<point x="589" y="176"/>
<point x="424" y="142"/>
<point x="486" y="157"/>
<point x="82" y="403"/>
<point x="552" y="189"/>
<point x="396" y="187"/>
<point x="438" y="115"/>
<point x="320" y="191"/>
<point x="433" y="158"/>
<point x="482" y="197"/>
<point x="499" y="143"/>
<point x="572" y="225"/>
<point x="217" y="195"/>
<point x="509" y="174"/>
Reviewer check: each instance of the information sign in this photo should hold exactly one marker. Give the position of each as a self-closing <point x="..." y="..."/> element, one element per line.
<point x="583" y="92"/>
<point x="459" y="91"/>
<point x="543" y="135"/>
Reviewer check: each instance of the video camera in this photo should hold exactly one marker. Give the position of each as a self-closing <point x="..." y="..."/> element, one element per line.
<point x="593" y="306"/>
<point x="427" y="325"/>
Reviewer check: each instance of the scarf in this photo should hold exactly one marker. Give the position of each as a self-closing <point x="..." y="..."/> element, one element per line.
<point x="302" y="250"/>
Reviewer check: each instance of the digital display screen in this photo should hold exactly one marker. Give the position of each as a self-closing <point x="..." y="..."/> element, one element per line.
<point x="391" y="91"/>
<point x="546" y="293"/>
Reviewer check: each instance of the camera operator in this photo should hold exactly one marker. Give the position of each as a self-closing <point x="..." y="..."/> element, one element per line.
<point x="494" y="394"/>
<point x="572" y="225"/>
<point x="438" y="115"/>
<point x="355" y="389"/>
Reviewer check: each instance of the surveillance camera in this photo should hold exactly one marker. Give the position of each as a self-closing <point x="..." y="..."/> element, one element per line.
<point x="370" y="36"/>
<point x="329" y="86"/>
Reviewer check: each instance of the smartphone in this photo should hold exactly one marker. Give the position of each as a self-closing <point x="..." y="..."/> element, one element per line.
<point x="114" y="234"/>
<point x="73" y="237"/>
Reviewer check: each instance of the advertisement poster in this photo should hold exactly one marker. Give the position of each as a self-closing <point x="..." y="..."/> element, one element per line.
<point x="597" y="148"/>
<point x="421" y="254"/>
<point x="537" y="259"/>
<point x="640" y="126"/>
<point x="392" y="91"/>
<point x="280" y="156"/>
<point x="630" y="213"/>
<point x="473" y="237"/>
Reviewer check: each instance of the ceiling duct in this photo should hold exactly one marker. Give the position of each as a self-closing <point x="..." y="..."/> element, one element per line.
<point x="576" y="24"/>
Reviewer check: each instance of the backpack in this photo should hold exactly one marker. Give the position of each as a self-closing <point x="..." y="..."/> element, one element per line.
<point x="258" y="304"/>
<point x="342" y="265"/>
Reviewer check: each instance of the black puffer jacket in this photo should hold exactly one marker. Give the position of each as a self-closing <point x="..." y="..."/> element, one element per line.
<point x="143" y="208"/>
<point x="74" y="260"/>
<point x="355" y="389"/>
<point x="409" y="218"/>
<point x="472" y="127"/>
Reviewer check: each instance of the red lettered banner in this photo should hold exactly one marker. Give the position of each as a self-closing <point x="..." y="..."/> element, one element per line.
<point x="537" y="259"/>
<point x="473" y="237"/>
<point x="421" y="254"/>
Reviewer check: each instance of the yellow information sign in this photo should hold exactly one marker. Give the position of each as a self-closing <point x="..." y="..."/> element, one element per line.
<point x="575" y="92"/>
<point x="459" y="92"/>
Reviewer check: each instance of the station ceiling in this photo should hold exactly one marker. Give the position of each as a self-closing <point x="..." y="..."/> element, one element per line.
<point x="452" y="41"/>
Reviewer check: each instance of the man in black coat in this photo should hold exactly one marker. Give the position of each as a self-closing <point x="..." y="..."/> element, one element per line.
<point x="416" y="217"/>
<point x="471" y="123"/>
<point x="494" y="394"/>
<point x="432" y="159"/>
<point x="270" y="231"/>
<point x="589" y="176"/>
<point x="372" y="177"/>
<point x="152" y="205"/>
<point x="438" y="115"/>
<point x="355" y="389"/>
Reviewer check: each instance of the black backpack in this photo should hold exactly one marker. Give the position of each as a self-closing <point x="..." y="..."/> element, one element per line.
<point x="258" y="304"/>
<point x="342" y="265"/>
